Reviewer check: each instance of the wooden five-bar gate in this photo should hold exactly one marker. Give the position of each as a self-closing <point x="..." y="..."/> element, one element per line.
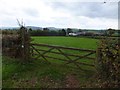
<point x="69" y="56"/>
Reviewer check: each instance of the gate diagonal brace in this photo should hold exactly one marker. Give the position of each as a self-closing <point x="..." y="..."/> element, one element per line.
<point x="32" y="51"/>
<point x="64" y="54"/>
<point x="44" y="53"/>
<point x="39" y="54"/>
<point x="76" y="64"/>
<point x="47" y="51"/>
<point x="72" y="61"/>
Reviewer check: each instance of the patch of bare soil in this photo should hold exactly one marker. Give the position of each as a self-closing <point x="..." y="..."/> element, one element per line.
<point x="71" y="81"/>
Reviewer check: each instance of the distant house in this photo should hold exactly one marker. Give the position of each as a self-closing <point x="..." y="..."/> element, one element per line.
<point x="77" y="33"/>
<point x="72" y="34"/>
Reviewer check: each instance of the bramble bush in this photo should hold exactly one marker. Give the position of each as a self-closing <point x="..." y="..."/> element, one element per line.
<point x="108" y="61"/>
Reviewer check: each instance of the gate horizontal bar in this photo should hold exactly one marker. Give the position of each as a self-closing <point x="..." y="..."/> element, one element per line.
<point x="63" y="47"/>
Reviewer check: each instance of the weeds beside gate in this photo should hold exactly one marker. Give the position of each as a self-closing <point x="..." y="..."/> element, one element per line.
<point x="17" y="45"/>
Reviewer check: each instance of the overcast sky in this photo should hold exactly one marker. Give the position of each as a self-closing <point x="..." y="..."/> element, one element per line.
<point x="61" y="14"/>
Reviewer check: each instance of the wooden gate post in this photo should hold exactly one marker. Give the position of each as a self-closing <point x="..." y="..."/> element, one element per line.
<point x="98" y="62"/>
<point x="25" y="43"/>
<point x="99" y="54"/>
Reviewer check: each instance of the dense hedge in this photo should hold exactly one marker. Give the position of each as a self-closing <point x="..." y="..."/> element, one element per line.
<point x="108" y="61"/>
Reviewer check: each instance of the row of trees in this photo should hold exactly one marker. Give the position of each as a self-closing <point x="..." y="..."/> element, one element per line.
<point x="62" y="32"/>
<point x="47" y="32"/>
<point x="44" y="32"/>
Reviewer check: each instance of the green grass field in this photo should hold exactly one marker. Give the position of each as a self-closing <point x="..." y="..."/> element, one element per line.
<point x="40" y="74"/>
<point x="77" y="42"/>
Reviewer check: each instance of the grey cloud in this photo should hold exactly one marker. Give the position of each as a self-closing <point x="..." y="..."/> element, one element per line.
<point x="88" y="9"/>
<point x="109" y="10"/>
